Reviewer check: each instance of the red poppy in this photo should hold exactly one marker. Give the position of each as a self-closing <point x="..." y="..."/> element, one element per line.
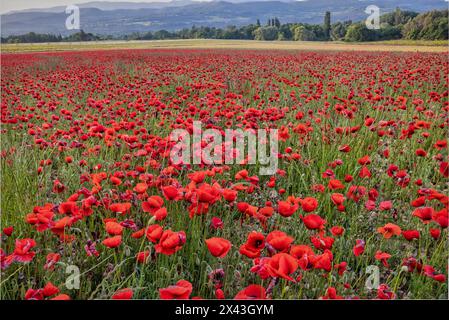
<point x="359" y="247"/>
<point x="365" y="173"/>
<point x="50" y="290"/>
<point x="384" y="292"/>
<point x="344" y="148"/>
<point x="114" y="228"/>
<point x="253" y="246"/>
<point x="409" y="235"/>
<point x="218" y="247"/>
<point x="424" y="213"/>
<point x="8" y="231"/>
<point x="444" y="169"/>
<point x="152" y="204"/>
<point x="115" y="181"/>
<point x="282" y="265"/>
<point x="22" y="252"/>
<point x="170" y="193"/>
<point x="68" y="207"/>
<point x="120" y="207"/>
<point x="140" y="187"/>
<point x="385" y="205"/>
<point x="32" y="294"/>
<point x="113" y="242"/>
<point x="435" y="233"/>
<point x="170" y="242"/>
<point x="247" y="209"/>
<point x="441" y="217"/>
<point x="252" y="292"/>
<point x="207" y="194"/>
<point x="389" y="230"/>
<point x="305" y="256"/>
<point x="265" y="212"/>
<point x="421" y="152"/>
<point x="160" y="214"/>
<point x="138" y="234"/>
<point x="286" y="209"/>
<point x="142" y="257"/>
<point x="242" y="174"/>
<point x="180" y="291"/>
<point x="229" y="195"/>
<point x="313" y="221"/>
<point x="321" y="242"/>
<point x="123" y="294"/>
<point x="341" y="267"/>
<point x="383" y="257"/>
<point x="216" y="223"/>
<point x="335" y="184"/>
<point x="154" y="233"/>
<point x="419" y="201"/>
<point x="356" y="193"/>
<point x="337" y="230"/>
<point x="323" y="261"/>
<point x="331" y="294"/>
<point x="52" y="259"/>
<point x="309" y="204"/>
<point x="439" y="277"/>
<point x="279" y="241"/>
<point x="219" y="294"/>
<point x="364" y="160"/>
<point x="441" y="144"/>
<point x="197" y="177"/>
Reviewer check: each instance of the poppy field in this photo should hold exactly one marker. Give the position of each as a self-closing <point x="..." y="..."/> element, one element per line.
<point x="92" y="207"/>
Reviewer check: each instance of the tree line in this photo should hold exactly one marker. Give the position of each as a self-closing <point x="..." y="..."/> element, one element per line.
<point x="399" y="24"/>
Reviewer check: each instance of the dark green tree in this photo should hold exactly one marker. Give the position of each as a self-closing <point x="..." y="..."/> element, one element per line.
<point x="327" y="25"/>
<point x="431" y="25"/>
<point x="358" y="32"/>
<point x="277" y="23"/>
<point x="268" y="33"/>
<point x="338" y="30"/>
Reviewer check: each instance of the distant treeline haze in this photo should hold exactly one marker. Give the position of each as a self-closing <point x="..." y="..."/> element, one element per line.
<point x="432" y="25"/>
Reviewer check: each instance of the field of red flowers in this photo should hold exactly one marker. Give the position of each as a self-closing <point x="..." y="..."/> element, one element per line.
<point x="93" y="208"/>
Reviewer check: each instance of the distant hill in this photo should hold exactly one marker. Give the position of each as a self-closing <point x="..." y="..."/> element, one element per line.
<point x="119" y="18"/>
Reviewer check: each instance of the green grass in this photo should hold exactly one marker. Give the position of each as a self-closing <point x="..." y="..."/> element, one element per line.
<point x="22" y="188"/>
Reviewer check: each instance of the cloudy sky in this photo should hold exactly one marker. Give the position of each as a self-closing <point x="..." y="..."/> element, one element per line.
<point x="8" y="5"/>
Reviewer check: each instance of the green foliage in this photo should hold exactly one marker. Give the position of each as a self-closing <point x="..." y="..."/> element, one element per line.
<point x="399" y="24"/>
<point x="286" y="32"/>
<point x="266" y="33"/>
<point x="338" y="30"/>
<point x="359" y="32"/>
<point x="32" y="37"/>
<point x="388" y="32"/>
<point x="303" y="34"/>
<point x="327" y="25"/>
<point x="398" y="17"/>
<point x="82" y="36"/>
<point x="431" y="25"/>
